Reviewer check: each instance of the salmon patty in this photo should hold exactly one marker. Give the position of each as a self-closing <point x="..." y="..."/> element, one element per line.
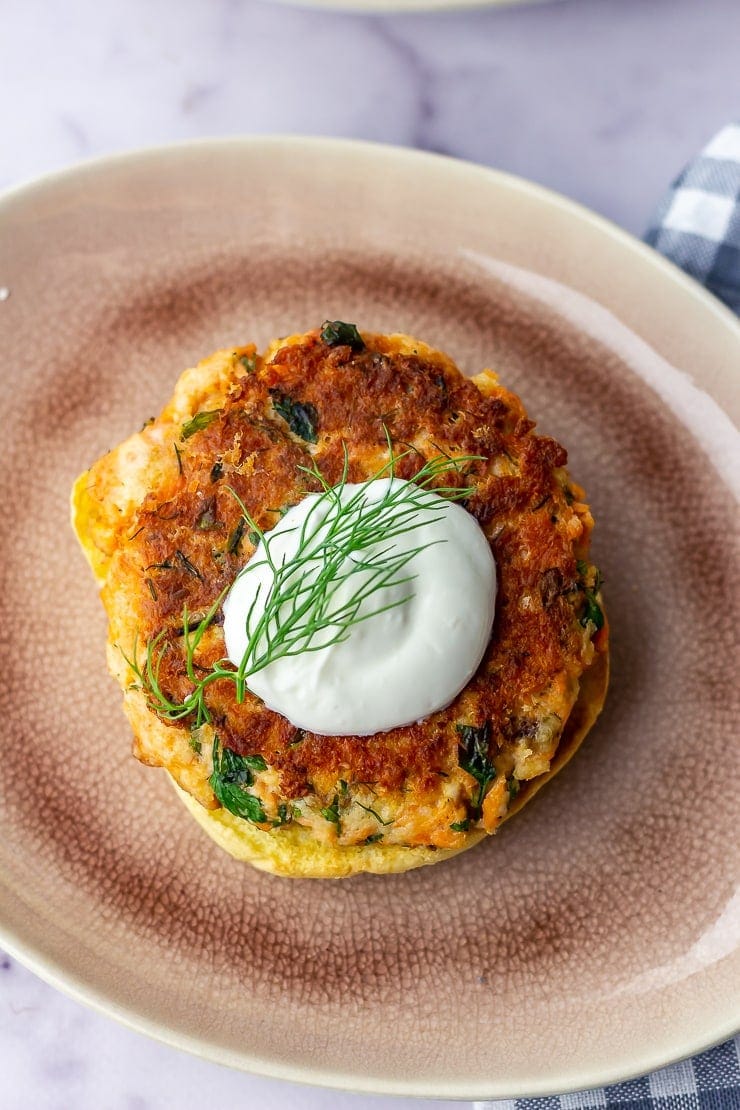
<point x="165" y="522"/>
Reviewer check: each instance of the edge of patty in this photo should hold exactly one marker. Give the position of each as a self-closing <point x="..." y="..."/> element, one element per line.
<point x="291" y="850"/>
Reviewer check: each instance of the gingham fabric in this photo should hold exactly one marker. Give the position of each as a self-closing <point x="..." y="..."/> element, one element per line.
<point x="710" y="1081"/>
<point x="697" y="224"/>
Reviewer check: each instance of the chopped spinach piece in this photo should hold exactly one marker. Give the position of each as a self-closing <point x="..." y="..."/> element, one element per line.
<point x="335" y="333"/>
<point x="283" y="816"/>
<point x="178" y="456"/>
<point x="512" y="785"/>
<point x="301" y="417"/>
<point x="198" y="422"/>
<point x="374" y="838"/>
<point x="592" y="612"/>
<point x="249" y="362"/>
<point x="474" y="759"/>
<point x="255" y="762"/>
<point x="232" y="546"/>
<point x="460" y="826"/>
<point x="331" y="813"/>
<point x="217" y="471"/>
<point x="231" y="776"/>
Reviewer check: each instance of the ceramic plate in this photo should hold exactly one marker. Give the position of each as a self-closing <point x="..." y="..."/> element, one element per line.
<point x="597" y="936"/>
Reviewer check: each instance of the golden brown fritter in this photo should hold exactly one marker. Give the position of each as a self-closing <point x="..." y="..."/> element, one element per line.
<point x="164" y="531"/>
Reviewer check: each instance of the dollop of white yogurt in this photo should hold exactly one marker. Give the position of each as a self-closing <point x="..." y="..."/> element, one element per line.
<point x="396" y="666"/>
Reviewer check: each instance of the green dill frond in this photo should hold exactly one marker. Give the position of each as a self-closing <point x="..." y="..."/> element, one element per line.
<point x="306" y="608"/>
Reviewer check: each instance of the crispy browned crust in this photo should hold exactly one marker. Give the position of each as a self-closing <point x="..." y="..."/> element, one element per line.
<point x="296" y="853"/>
<point x="591" y="696"/>
<point x="183" y="543"/>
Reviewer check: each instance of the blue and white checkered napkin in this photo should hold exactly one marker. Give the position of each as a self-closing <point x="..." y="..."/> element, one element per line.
<point x="710" y="1081"/>
<point x="697" y="226"/>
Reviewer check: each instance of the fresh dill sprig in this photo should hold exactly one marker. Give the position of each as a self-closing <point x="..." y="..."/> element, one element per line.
<point x="373" y="812"/>
<point x="306" y="607"/>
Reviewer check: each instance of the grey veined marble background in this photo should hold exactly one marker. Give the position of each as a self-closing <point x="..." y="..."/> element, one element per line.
<point x="603" y="100"/>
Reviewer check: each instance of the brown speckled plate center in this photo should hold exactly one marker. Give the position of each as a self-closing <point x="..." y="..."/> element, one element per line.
<point x="597" y="935"/>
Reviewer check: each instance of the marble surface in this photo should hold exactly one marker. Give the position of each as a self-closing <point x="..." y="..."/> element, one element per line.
<point x="603" y="100"/>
